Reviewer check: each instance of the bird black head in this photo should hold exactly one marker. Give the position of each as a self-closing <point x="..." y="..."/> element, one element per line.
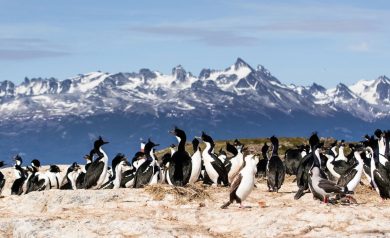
<point x="138" y="155"/>
<point x="237" y="142"/>
<point x="314" y="140"/>
<point x="207" y="138"/>
<point x="378" y="133"/>
<point x="265" y="148"/>
<point x="99" y="142"/>
<point x="342" y="143"/>
<point x="195" y="144"/>
<point x="118" y="158"/>
<point x="150" y="145"/>
<point x="1" y="164"/>
<point x="274" y="141"/>
<point x="178" y="132"/>
<point x="54" y="169"/>
<point x="36" y="163"/>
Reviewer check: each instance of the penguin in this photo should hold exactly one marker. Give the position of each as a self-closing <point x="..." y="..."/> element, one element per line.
<point x="237" y="161"/>
<point x="341" y="155"/>
<point x="128" y="176"/>
<point x="146" y="171"/>
<point x="351" y="178"/>
<point x="243" y="183"/>
<point x="275" y="168"/>
<point x="381" y="148"/>
<point x="72" y="174"/>
<point x="2" y="178"/>
<point x="37" y="181"/>
<point x="292" y="157"/>
<point x="215" y="171"/>
<point x="305" y="166"/>
<point x="180" y="164"/>
<point x="54" y="180"/>
<point x="97" y="171"/>
<point x="380" y="177"/>
<point x="322" y="188"/>
<point x="119" y="164"/>
<point x="196" y="160"/>
<point x="109" y="176"/>
<point x="262" y="164"/>
<point x="165" y="164"/>
<point x="20" y="175"/>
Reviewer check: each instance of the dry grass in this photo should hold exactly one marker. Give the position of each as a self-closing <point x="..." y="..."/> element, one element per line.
<point x="191" y="192"/>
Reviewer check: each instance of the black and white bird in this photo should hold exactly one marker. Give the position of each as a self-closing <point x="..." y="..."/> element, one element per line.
<point x="262" y="164"/>
<point x="379" y="175"/>
<point x="196" y="160"/>
<point x="147" y="172"/>
<point x="292" y="158"/>
<point x="73" y="177"/>
<point x="322" y="188"/>
<point x="128" y="176"/>
<point x="97" y="171"/>
<point x="20" y="176"/>
<point x="2" y="178"/>
<point x="237" y="161"/>
<point x="275" y="168"/>
<point x="119" y="165"/>
<point x="341" y="155"/>
<point x="351" y="178"/>
<point x="243" y="183"/>
<point x="36" y="180"/>
<point x="180" y="165"/>
<point x="54" y="177"/>
<point x="306" y="164"/>
<point x="215" y="171"/>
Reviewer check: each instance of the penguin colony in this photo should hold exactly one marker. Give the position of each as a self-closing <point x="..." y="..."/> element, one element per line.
<point x="327" y="173"/>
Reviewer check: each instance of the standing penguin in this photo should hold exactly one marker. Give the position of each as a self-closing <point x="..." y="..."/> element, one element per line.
<point x="243" y="183"/>
<point x="181" y="162"/>
<point x="237" y="161"/>
<point x="20" y="175"/>
<point x="128" y="176"/>
<point x="119" y="164"/>
<point x="306" y="164"/>
<point x="196" y="159"/>
<point x="275" y="168"/>
<point x="54" y="177"/>
<point x="146" y="172"/>
<point x="262" y="164"/>
<point x="215" y="171"/>
<point x="97" y="171"/>
<point x="37" y="181"/>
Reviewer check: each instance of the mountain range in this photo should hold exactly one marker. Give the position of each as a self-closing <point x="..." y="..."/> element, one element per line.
<point x="57" y="120"/>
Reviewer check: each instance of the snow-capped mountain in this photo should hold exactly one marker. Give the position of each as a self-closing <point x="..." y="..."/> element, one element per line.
<point x="133" y="105"/>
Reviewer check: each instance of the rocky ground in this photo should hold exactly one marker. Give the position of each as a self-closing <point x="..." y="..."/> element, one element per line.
<point x="162" y="211"/>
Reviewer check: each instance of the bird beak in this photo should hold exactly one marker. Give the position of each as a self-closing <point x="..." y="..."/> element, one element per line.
<point x="106" y="142"/>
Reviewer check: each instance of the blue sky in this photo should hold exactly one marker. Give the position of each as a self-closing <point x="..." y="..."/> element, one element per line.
<point x="298" y="41"/>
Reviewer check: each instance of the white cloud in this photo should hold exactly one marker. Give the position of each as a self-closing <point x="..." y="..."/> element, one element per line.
<point x="360" y="47"/>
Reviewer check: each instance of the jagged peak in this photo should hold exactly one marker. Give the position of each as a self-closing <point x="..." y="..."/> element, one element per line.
<point x="179" y="72"/>
<point x="241" y="63"/>
<point x="316" y="87"/>
<point x="383" y="79"/>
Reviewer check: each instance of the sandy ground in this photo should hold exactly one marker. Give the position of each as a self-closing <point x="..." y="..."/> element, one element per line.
<point x="141" y="213"/>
